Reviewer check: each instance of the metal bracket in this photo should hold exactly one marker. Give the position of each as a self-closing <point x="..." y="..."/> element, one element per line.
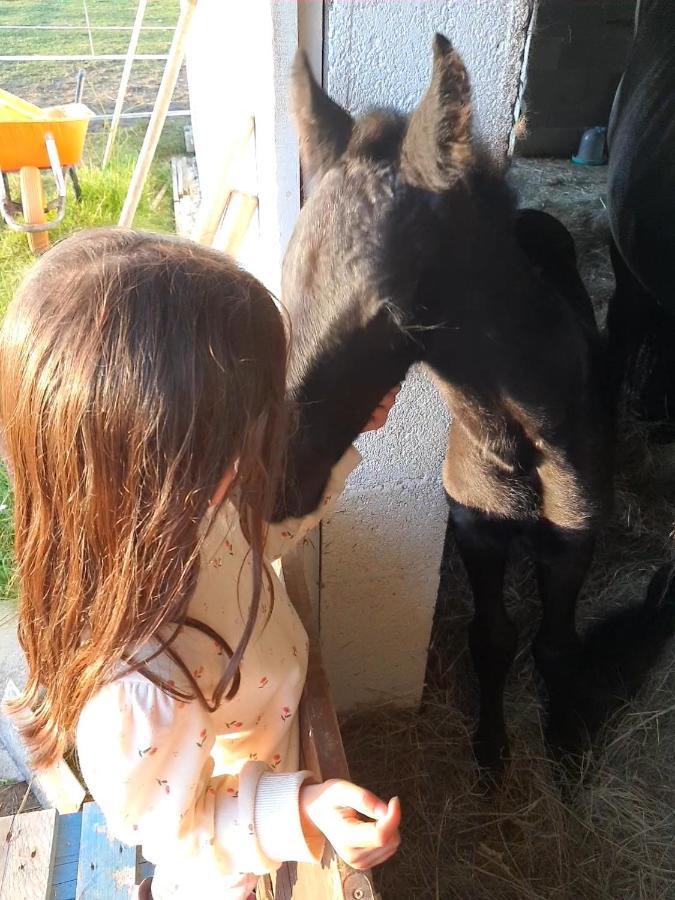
<point x="357" y="886"/>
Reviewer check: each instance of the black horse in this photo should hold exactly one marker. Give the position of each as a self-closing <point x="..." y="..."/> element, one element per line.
<point x="408" y="250"/>
<point x="641" y="203"/>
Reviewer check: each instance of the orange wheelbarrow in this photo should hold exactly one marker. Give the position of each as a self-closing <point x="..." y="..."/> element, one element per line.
<point x="33" y="139"/>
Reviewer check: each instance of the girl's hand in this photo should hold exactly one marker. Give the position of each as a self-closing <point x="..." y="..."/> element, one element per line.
<point x="379" y="417"/>
<point x="336" y="808"/>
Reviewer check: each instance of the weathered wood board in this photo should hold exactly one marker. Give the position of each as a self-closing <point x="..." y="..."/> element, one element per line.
<point x="27" y="845"/>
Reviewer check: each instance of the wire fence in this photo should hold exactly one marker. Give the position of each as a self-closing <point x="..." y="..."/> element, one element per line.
<point x="49" y="78"/>
<point x="83" y="28"/>
<point x="83" y="57"/>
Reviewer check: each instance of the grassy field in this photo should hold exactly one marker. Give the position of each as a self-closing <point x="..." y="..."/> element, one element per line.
<point x="47" y="83"/>
<point x="103" y="192"/>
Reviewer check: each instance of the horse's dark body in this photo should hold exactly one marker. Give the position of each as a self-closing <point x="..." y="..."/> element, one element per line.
<point x="410" y="249"/>
<point x="641" y="203"/>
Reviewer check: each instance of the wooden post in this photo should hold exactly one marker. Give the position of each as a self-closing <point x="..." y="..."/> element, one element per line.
<point x="212" y="208"/>
<point x="166" y="89"/>
<point x="124" y="81"/>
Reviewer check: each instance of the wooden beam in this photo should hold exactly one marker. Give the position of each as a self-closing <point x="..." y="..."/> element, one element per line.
<point x="186" y="196"/>
<point x="124" y="81"/>
<point x="27" y="844"/>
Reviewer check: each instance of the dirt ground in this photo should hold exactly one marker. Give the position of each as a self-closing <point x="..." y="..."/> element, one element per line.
<point x="609" y="835"/>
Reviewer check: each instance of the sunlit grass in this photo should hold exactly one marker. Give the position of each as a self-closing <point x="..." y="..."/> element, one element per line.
<point x="7" y="588"/>
<point x="103" y="194"/>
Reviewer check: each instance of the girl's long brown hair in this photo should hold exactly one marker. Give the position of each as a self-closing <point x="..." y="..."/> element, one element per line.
<point x="134" y="371"/>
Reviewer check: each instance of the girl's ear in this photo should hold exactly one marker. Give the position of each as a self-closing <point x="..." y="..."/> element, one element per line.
<point x="437" y="148"/>
<point x="323" y="127"/>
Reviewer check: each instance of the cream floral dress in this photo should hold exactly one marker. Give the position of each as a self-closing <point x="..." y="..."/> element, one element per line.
<point x="212" y="797"/>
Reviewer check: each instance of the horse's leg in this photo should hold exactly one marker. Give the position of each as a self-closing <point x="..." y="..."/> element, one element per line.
<point x="483" y="544"/>
<point x="563" y="559"/>
<point x="641" y="335"/>
<point x="626" y="329"/>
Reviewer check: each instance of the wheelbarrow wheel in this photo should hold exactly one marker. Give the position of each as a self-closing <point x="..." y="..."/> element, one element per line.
<point x="33" y="203"/>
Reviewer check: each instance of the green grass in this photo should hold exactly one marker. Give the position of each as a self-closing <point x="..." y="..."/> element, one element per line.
<point x="7" y="587"/>
<point x="103" y="196"/>
<point x="47" y="83"/>
<point x="101" y="12"/>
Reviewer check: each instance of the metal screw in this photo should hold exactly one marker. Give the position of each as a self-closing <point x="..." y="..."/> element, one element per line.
<point x="358" y="894"/>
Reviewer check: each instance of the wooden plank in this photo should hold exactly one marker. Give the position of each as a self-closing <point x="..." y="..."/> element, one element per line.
<point x="64" y="873"/>
<point x="27" y="844"/>
<point x="320" y="738"/>
<point x="124" y="80"/>
<point x="107" y="868"/>
<point x="186" y="193"/>
<point x="189" y="140"/>
<point x="160" y="109"/>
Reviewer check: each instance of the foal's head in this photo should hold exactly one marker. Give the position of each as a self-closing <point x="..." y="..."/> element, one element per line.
<point x="395" y="224"/>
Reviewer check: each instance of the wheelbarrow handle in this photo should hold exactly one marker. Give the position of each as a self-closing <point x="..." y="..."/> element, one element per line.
<point x="7" y="205"/>
<point x="79" y="85"/>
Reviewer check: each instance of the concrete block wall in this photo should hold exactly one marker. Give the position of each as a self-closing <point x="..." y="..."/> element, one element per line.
<point x="381" y="550"/>
<point x="577" y="55"/>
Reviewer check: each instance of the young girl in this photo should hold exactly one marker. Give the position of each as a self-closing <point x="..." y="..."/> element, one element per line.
<point x="142" y="401"/>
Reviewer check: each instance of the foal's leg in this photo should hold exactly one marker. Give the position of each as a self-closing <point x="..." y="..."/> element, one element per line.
<point x="563" y="560"/>
<point x="483" y="544"/>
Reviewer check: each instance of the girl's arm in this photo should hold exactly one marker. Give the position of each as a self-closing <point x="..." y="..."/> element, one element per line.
<point x="146" y="759"/>
<point x="281" y="536"/>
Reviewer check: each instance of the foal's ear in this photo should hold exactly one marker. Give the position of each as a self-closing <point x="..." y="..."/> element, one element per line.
<point x="323" y="127"/>
<point x="437" y="145"/>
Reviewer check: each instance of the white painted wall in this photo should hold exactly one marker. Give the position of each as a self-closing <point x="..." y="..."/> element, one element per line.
<point x="239" y="55"/>
<point x="381" y="550"/>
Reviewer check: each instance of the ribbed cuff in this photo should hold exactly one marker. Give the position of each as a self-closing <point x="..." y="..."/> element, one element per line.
<point x="239" y="836"/>
<point x="277" y="819"/>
